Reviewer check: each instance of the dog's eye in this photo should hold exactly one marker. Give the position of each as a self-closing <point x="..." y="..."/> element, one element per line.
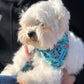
<point x="42" y="25"/>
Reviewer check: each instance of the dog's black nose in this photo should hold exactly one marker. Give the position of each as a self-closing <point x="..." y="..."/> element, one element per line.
<point x="32" y="34"/>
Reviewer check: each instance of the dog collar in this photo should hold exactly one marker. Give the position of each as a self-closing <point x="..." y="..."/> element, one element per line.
<point x="56" y="56"/>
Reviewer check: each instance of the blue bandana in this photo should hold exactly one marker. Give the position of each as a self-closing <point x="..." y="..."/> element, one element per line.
<point x="56" y="56"/>
<point x="27" y="67"/>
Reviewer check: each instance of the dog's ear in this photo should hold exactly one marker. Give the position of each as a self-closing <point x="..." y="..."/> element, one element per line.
<point x="64" y="19"/>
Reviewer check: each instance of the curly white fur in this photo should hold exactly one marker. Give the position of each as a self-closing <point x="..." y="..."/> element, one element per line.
<point x="49" y="20"/>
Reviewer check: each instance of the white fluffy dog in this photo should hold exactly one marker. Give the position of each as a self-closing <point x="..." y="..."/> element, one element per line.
<point x="42" y="26"/>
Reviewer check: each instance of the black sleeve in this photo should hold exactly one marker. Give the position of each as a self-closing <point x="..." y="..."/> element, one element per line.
<point x="9" y="14"/>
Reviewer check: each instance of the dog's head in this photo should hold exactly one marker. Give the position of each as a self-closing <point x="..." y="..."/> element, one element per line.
<point x="43" y="24"/>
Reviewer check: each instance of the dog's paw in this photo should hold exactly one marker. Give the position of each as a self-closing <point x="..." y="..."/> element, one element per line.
<point x="21" y="78"/>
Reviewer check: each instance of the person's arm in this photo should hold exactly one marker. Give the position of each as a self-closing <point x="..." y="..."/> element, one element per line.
<point x="68" y="79"/>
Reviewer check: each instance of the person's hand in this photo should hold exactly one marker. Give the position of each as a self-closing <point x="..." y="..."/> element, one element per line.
<point x="68" y="79"/>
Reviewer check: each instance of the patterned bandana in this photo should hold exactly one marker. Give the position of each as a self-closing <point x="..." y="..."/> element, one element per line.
<point x="54" y="57"/>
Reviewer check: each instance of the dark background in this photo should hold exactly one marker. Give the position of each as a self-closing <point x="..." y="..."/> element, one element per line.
<point x="10" y="10"/>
